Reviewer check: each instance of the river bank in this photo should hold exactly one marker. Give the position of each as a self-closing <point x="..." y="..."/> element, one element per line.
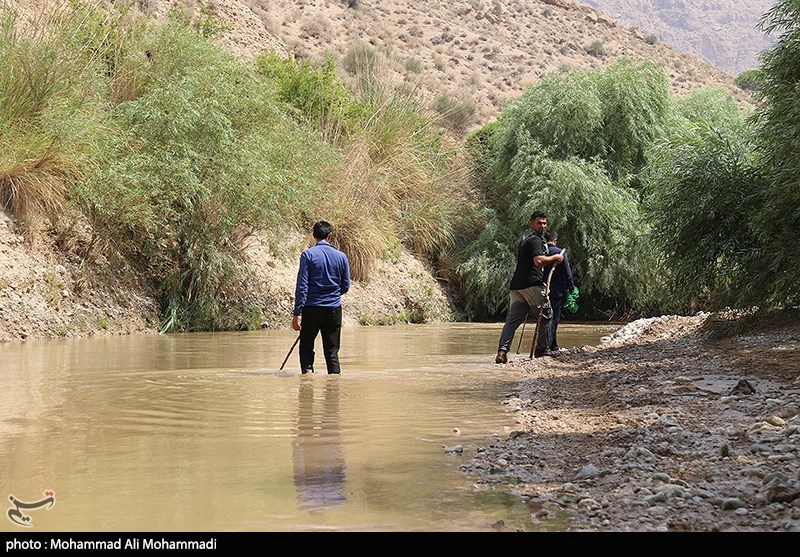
<point x="50" y="287"/>
<point x="671" y="424"/>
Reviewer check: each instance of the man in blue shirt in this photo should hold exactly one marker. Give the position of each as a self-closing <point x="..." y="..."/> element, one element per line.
<point x="323" y="277"/>
<point x="560" y="285"/>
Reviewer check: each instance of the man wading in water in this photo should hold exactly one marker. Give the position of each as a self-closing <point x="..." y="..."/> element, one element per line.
<point x="527" y="289"/>
<point x="323" y="277"/>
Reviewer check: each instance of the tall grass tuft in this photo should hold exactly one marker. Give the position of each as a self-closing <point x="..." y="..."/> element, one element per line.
<point x="400" y="179"/>
<point x="50" y="110"/>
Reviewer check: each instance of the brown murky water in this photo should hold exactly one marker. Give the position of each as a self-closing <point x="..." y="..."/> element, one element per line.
<point x="201" y="432"/>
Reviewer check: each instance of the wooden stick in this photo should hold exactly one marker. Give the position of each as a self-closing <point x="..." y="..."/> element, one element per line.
<point x="290" y="352"/>
<point x="522" y="334"/>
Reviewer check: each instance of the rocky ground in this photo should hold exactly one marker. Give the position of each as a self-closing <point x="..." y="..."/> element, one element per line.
<point x="672" y="424"/>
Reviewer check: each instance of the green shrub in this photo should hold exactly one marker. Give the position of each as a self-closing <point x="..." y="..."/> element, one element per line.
<point x="596" y="48"/>
<point x="699" y="185"/>
<point x="315" y="91"/>
<point x="748" y="80"/>
<point x="201" y="159"/>
<point x="51" y="110"/>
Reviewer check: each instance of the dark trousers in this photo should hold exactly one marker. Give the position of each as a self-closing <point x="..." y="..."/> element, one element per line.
<point x="557" y="304"/>
<point x="327" y="321"/>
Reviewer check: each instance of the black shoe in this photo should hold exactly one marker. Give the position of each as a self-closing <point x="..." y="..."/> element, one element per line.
<point x="546" y="353"/>
<point x="307" y="370"/>
<point x="501" y="357"/>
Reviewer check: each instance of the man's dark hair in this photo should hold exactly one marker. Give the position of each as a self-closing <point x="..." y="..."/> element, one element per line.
<point x="538" y="215"/>
<point x="322" y="229"/>
<point x="551" y="235"/>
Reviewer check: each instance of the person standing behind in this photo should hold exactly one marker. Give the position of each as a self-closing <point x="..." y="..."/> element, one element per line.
<point x="323" y="277"/>
<point x="527" y="293"/>
<point x="560" y="284"/>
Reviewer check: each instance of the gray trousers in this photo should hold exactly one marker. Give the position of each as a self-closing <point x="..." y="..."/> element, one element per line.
<point x="523" y="303"/>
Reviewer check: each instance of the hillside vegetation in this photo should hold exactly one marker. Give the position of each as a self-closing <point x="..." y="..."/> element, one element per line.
<point x="152" y="156"/>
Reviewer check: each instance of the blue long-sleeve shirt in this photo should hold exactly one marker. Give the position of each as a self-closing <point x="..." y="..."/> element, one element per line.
<point x="323" y="277"/>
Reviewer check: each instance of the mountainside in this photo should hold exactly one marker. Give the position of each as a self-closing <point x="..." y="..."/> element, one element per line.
<point x="479" y="53"/>
<point x="724" y="32"/>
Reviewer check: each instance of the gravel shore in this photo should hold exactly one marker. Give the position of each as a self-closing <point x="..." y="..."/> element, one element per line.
<point x="671" y="424"/>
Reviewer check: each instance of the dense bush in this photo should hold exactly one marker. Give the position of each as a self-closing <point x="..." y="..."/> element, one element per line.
<point x="775" y="265"/>
<point x="572" y="146"/>
<point x="203" y="157"/>
<point x="700" y="182"/>
<point x="315" y="91"/>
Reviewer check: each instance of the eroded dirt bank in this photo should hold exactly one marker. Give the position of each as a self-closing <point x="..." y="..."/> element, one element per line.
<point x="50" y="288"/>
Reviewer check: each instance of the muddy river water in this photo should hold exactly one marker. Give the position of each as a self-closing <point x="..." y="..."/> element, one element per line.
<point x="203" y="432"/>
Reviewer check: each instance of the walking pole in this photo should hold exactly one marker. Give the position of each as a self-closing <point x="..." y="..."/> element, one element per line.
<point x="541" y="309"/>
<point x="522" y="334"/>
<point x="290" y="352"/>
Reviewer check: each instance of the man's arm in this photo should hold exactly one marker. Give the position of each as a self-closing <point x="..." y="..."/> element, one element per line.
<point x="345" y="285"/>
<point x="301" y="287"/>
<point x="544" y="260"/>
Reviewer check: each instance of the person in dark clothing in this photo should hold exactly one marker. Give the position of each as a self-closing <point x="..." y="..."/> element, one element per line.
<point x="527" y="291"/>
<point x="561" y="284"/>
<point x="323" y="277"/>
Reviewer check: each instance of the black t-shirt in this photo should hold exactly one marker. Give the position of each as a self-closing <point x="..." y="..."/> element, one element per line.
<point x="527" y="274"/>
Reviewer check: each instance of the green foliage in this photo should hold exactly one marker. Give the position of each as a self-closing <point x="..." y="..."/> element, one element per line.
<point x="748" y="80"/>
<point x="572" y="146"/>
<point x="207" y="25"/>
<point x="175" y="152"/>
<point x="405" y="178"/>
<point x="700" y="185"/>
<point x="315" y="91"/>
<point x="487" y="266"/>
<point x="776" y="218"/>
<point x="635" y="99"/>
<point x="50" y="111"/>
<point x="597" y="221"/>
<point x="611" y="114"/>
<point x="202" y="158"/>
<point x="651" y="39"/>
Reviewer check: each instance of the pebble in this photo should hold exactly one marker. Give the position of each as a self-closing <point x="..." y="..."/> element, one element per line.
<point x="732" y="503"/>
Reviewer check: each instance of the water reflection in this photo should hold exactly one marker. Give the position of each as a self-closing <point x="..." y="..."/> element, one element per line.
<point x="319" y="466"/>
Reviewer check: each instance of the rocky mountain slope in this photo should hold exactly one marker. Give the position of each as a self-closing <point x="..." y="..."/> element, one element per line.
<point x="724" y="32"/>
<point x="482" y="53"/>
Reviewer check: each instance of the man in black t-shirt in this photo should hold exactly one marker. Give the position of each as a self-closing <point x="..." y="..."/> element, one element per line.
<point x="527" y="288"/>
